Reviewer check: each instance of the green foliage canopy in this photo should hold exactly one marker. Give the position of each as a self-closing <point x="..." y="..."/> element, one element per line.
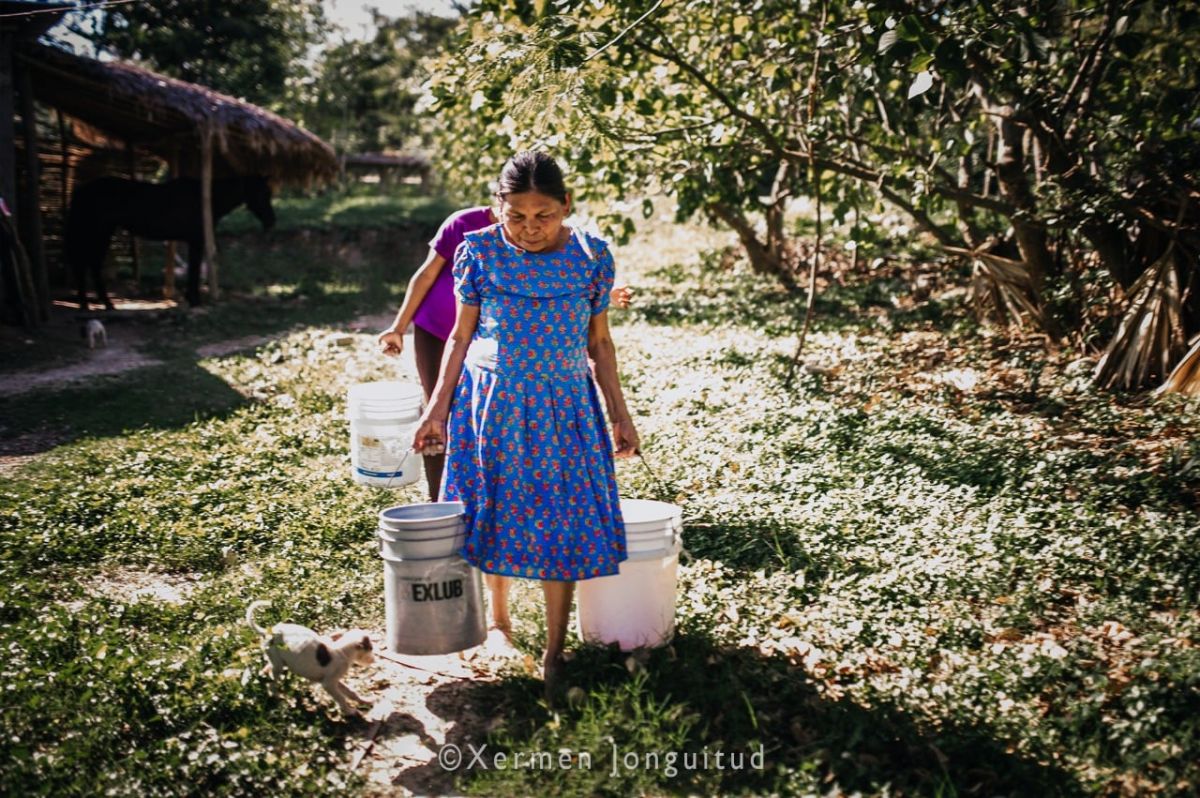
<point x="363" y="93"/>
<point x="246" y="48"/>
<point x="1019" y="135"/>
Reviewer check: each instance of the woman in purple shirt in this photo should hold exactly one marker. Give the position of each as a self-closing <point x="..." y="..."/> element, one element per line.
<point x="429" y="307"/>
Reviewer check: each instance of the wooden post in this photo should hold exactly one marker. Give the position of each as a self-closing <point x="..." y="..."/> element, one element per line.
<point x="32" y="216"/>
<point x="210" y="238"/>
<point x="131" y="157"/>
<point x="169" y="270"/>
<point x="8" y="155"/>
<point x="65" y="154"/>
<point x="66" y="158"/>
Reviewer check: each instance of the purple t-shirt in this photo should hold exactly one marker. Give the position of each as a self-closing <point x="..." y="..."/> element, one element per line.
<point x="436" y="312"/>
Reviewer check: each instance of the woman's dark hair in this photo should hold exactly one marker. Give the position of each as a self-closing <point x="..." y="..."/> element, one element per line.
<point x="532" y="171"/>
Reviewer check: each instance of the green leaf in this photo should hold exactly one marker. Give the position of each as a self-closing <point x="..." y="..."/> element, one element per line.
<point x="921" y="62"/>
<point x="910" y="29"/>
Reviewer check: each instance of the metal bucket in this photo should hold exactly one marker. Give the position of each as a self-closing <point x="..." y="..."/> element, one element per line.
<point x="433" y="606"/>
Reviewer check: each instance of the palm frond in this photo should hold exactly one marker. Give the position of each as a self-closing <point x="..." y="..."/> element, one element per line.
<point x="1185" y="377"/>
<point x="1001" y="288"/>
<point x="1150" y="337"/>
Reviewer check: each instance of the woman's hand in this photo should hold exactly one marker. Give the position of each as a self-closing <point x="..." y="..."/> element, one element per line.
<point x="430" y="436"/>
<point x="391" y="341"/>
<point x="621" y="296"/>
<point x="625" y="438"/>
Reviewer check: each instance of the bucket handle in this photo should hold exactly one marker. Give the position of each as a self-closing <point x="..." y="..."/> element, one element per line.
<point x="383" y="556"/>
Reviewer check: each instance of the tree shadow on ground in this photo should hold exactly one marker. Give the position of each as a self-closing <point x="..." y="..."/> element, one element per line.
<point x="154" y="397"/>
<point x="752" y="544"/>
<point x="698" y="695"/>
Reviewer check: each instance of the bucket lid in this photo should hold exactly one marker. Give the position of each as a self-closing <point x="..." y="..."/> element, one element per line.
<point x="648" y="511"/>
<point x="385" y="392"/>
<point x="419" y="515"/>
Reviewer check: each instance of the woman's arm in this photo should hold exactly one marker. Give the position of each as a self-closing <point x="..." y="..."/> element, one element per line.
<point x="431" y="429"/>
<point x="604" y="355"/>
<point x="391" y="340"/>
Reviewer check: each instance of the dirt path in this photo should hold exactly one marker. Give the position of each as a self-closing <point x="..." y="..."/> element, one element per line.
<point x="121" y="355"/>
<point x="421" y="705"/>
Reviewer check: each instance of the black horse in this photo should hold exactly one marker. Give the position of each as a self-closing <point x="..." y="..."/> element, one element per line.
<point x="158" y="211"/>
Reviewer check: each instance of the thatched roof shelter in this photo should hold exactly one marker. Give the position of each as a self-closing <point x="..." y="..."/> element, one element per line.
<point x="198" y="132"/>
<point x="169" y="117"/>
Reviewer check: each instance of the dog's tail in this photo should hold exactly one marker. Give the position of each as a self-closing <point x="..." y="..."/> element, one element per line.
<point x="254" y="605"/>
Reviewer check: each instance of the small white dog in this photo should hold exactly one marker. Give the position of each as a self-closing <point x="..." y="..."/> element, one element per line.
<point x="95" y="332"/>
<point x="316" y="658"/>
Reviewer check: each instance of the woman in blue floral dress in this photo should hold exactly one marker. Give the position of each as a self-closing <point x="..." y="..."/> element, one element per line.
<point x="528" y="450"/>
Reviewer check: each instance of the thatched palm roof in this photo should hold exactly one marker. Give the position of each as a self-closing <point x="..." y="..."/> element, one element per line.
<point x="166" y="116"/>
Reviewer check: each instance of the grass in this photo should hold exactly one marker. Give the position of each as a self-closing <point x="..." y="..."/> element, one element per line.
<point x="936" y="565"/>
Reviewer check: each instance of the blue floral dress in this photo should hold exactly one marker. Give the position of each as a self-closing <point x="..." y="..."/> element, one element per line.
<point x="528" y="450"/>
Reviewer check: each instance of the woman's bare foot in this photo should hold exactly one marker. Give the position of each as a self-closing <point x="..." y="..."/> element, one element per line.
<point x="500" y="643"/>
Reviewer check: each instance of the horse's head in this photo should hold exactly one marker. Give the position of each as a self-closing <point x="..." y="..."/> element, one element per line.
<point x="258" y="200"/>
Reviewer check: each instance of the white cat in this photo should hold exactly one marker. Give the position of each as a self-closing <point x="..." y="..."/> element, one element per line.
<point x="316" y="658"/>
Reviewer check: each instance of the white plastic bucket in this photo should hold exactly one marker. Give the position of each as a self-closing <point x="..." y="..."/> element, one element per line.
<point x="651" y="526"/>
<point x="650" y="544"/>
<point x="636" y="607"/>
<point x="382" y="416"/>
<point x="433" y="606"/>
<point x="421" y="531"/>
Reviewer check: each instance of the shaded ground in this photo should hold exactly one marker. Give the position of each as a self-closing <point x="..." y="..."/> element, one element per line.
<point x="124" y="354"/>
<point x="61" y="352"/>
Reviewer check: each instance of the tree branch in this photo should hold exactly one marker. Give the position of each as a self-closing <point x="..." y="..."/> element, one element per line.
<point x="673" y="56"/>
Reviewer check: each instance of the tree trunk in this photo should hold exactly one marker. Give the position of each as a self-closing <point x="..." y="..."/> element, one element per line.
<point x="168" y="290"/>
<point x="31" y="214"/>
<point x="1014" y="186"/>
<point x="765" y="258"/>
